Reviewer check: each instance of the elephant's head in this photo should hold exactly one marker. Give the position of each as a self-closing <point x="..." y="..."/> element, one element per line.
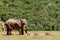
<point x="24" y="24"/>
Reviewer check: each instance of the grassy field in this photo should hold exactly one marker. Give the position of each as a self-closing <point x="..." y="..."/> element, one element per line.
<point x="32" y="35"/>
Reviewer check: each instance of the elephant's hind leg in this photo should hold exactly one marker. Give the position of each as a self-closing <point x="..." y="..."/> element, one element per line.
<point x="8" y="31"/>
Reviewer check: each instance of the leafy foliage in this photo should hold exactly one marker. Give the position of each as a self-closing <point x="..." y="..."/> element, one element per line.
<point x="40" y="14"/>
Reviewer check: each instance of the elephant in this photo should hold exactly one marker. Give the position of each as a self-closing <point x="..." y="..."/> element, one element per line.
<point x="2" y="27"/>
<point x="19" y="24"/>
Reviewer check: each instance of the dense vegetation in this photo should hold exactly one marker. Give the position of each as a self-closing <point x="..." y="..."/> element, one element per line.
<point x="40" y="14"/>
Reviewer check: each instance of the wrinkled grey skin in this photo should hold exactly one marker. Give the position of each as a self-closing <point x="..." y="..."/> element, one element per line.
<point x="19" y="24"/>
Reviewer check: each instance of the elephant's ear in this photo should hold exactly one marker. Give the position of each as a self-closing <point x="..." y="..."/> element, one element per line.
<point x="23" y="20"/>
<point x="19" y="20"/>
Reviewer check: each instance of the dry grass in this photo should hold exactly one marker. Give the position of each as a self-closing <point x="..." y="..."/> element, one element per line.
<point x="32" y="35"/>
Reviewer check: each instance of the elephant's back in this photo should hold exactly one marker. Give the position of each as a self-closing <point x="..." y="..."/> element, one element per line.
<point x="12" y="21"/>
<point x="12" y="24"/>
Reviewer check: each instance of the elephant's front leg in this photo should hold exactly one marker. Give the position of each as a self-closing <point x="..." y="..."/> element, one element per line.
<point x="19" y="31"/>
<point x="25" y="30"/>
<point x="22" y="30"/>
<point x="10" y="32"/>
